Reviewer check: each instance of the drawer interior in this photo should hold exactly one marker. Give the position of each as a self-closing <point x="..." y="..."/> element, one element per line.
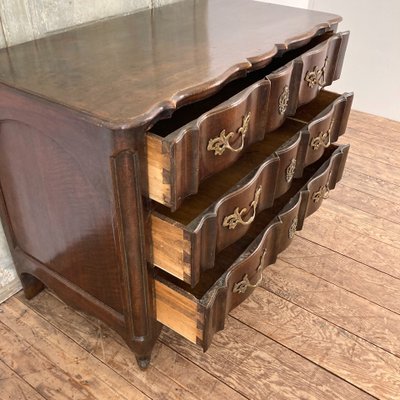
<point x="192" y="111"/>
<point x="226" y="257"/>
<point x="217" y="185"/>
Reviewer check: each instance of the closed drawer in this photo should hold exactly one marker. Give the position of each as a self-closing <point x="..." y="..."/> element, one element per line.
<point x="197" y="313"/>
<point x="185" y="243"/>
<point x="204" y="138"/>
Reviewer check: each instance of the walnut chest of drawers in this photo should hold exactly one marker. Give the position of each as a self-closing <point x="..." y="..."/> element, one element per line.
<point x="152" y="165"/>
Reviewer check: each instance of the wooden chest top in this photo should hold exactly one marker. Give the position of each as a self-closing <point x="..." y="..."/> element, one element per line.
<point x="132" y="70"/>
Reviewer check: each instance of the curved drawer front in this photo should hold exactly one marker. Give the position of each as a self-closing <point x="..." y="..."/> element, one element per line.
<point x="325" y="180"/>
<point x="181" y="154"/>
<point x="321" y="66"/>
<point x="199" y="317"/>
<point x="281" y="101"/>
<point x="186" y="243"/>
<point x="327" y="127"/>
<point x="299" y="81"/>
<point x="205" y="146"/>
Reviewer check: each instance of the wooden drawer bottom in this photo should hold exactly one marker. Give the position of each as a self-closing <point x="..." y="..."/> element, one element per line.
<point x="197" y="313"/>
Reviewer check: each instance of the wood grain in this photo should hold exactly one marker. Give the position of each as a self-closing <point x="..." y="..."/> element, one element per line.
<point x="170" y="247"/>
<point x="355" y="277"/>
<point x="177" y="312"/>
<point x="332" y="303"/>
<point x="320" y="341"/>
<point x="14" y="387"/>
<point x="334" y="232"/>
<point x="55" y="349"/>
<point x="157" y="166"/>
<point x="168" y="374"/>
<point x="128" y="70"/>
<point x="254" y="365"/>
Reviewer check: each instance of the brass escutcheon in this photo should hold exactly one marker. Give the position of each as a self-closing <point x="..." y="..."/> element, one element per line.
<point x="221" y="143"/>
<point x="292" y="228"/>
<point x="289" y="173"/>
<point x="283" y="100"/>
<point x="316" y="76"/>
<point x="232" y="220"/>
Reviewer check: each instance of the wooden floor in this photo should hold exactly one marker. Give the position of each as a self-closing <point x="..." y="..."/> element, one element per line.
<point x="325" y="325"/>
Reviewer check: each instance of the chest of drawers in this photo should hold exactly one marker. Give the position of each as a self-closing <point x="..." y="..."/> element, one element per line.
<point x="152" y="165"/>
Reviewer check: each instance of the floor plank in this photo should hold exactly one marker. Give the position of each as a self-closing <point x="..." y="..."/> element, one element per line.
<point x="54" y="349"/>
<point x="353" y="276"/>
<point x="344" y="309"/>
<point x="373" y="123"/>
<point x="324" y="326"/>
<point x="167" y="376"/>
<point x="346" y="239"/>
<point x="366" y="202"/>
<point x="371" y="185"/>
<point x="262" y="368"/>
<point x="12" y="387"/>
<point x="356" y="360"/>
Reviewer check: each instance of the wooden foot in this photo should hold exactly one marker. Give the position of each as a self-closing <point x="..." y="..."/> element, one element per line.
<point x="143" y="362"/>
<point x="31" y="285"/>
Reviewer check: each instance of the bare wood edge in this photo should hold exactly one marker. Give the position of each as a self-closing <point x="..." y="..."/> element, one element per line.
<point x="200" y="331"/>
<point x="170" y="247"/>
<point x="158" y="170"/>
<point x="162" y="166"/>
<point x="170" y="197"/>
<point x="166" y="107"/>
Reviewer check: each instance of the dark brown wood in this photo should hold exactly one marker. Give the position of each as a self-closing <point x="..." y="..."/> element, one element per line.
<point x="79" y="169"/>
<point x="130" y="70"/>
<point x="203" y="138"/>
<point x="266" y="165"/>
<point x="241" y="264"/>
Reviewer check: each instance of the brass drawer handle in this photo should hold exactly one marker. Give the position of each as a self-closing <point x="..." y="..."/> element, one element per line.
<point x="244" y="284"/>
<point x="283" y="100"/>
<point x="221" y="143"/>
<point x="322" y="193"/>
<point x="323" y="138"/>
<point x="316" y="76"/>
<point x="232" y="220"/>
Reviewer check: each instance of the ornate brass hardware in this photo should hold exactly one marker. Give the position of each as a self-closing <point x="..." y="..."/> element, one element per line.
<point x="244" y="284"/>
<point x="316" y="76"/>
<point x="292" y="228"/>
<point x="289" y="173"/>
<point x="283" y="100"/>
<point x="321" y="193"/>
<point x="221" y="143"/>
<point x="261" y="264"/>
<point x="323" y="138"/>
<point x="231" y="221"/>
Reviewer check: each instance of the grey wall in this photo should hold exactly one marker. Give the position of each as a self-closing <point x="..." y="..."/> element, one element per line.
<point x="24" y="20"/>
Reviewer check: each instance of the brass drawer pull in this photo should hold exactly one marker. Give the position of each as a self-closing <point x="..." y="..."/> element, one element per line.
<point x="283" y="100"/>
<point x="322" y="193"/>
<point x="323" y="138"/>
<point x="244" y="284"/>
<point x="316" y="76"/>
<point x="221" y="143"/>
<point x="232" y="220"/>
<point x="289" y="173"/>
<point x="292" y="228"/>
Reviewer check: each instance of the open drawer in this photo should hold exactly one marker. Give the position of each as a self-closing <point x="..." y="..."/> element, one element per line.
<point x="185" y="242"/>
<point x="197" y="313"/>
<point x="203" y="138"/>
